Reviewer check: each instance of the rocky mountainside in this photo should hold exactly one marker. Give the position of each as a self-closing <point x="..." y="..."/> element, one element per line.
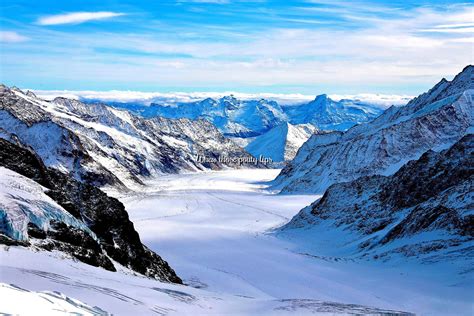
<point x="328" y="114"/>
<point x="434" y="120"/>
<point x="281" y="142"/>
<point x="106" y="146"/>
<point x="425" y="210"/>
<point x="43" y="208"/>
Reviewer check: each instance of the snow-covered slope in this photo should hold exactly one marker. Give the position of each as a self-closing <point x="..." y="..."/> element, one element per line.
<point x="45" y="209"/>
<point x="103" y="145"/>
<point x="18" y="301"/>
<point x="281" y="142"/>
<point x="425" y="210"/>
<point x="434" y="120"/>
<point x="327" y="114"/>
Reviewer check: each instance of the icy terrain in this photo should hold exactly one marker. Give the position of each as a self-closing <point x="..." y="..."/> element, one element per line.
<point x="214" y="229"/>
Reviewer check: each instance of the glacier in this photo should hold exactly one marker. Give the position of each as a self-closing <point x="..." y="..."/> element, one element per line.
<point x="213" y="229"/>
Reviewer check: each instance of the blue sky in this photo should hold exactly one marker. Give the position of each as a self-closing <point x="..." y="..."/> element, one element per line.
<point x="308" y="47"/>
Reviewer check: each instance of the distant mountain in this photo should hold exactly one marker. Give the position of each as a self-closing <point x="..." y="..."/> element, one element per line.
<point x="42" y="208"/>
<point x="249" y="118"/>
<point x="434" y="120"/>
<point x="233" y="117"/>
<point x="281" y="142"/>
<point x="245" y="119"/>
<point x="104" y="146"/>
<point x="424" y="210"/>
<point x="327" y="114"/>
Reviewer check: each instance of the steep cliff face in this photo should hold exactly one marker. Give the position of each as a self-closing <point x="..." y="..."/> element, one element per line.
<point x="105" y="146"/>
<point x="51" y="210"/>
<point x="425" y="209"/>
<point x="434" y="120"/>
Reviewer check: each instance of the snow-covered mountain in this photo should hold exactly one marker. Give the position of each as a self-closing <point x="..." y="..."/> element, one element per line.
<point x="245" y="120"/>
<point x="42" y="208"/>
<point x="327" y="114"/>
<point x="102" y="145"/>
<point x="424" y="210"/>
<point x="281" y="142"/>
<point x="233" y="117"/>
<point x="434" y="120"/>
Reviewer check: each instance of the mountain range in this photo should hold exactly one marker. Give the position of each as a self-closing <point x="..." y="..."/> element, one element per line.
<point x="105" y="146"/>
<point x="245" y="120"/>
<point x="398" y="185"/>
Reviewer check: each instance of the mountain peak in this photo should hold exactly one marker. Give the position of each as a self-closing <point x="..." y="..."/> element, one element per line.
<point x="321" y="97"/>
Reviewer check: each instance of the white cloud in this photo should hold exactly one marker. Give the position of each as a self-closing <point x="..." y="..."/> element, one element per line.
<point x="76" y="17"/>
<point x="383" y="100"/>
<point x="11" y="37"/>
<point x="146" y="98"/>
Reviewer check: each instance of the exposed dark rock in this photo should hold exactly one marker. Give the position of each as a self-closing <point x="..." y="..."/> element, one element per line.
<point x="73" y="241"/>
<point x="7" y="241"/>
<point x="104" y="215"/>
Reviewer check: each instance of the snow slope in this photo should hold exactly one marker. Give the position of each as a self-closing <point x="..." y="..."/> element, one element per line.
<point x="281" y="142"/>
<point x="18" y="301"/>
<point x="434" y="120"/>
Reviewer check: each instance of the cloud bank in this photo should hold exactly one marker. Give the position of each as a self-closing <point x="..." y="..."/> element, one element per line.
<point x="177" y="97"/>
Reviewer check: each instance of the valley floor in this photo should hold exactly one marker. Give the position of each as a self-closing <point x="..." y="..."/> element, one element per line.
<point x="214" y="229"/>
